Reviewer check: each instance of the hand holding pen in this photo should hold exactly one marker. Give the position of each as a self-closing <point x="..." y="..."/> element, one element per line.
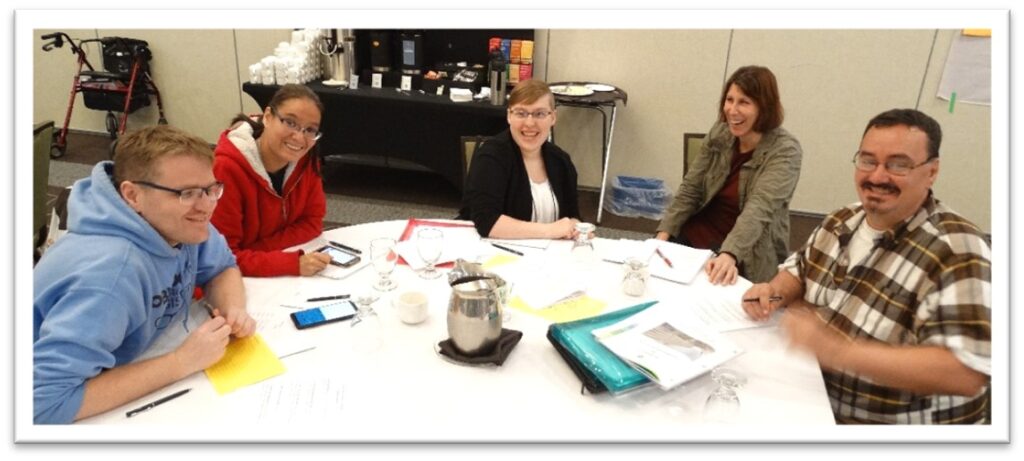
<point x="760" y="300"/>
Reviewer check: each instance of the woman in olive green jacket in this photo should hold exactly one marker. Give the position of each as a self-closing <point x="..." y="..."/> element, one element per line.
<point x="735" y="198"/>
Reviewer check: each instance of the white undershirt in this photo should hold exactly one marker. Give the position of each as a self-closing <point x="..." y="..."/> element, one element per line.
<point x="545" y="207"/>
<point x="863" y="242"/>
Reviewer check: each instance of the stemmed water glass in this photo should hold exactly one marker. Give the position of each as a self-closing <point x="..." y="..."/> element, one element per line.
<point x="723" y="405"/>
<point x="429" y="243"/>
<point x="384" y="258"/>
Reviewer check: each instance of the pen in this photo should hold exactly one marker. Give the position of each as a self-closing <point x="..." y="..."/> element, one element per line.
<point x="209" y="309"/>
<point x="507" y="249"/>
<point x="327" y="298"/>
<point x="770" y="299"/>
<point x="663" y="258"/>
<point x="345" y="247"/>
<point x="157" y="402"/>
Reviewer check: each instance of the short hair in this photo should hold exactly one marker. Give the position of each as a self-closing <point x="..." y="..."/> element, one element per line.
<point x="914" y="119"/>
<point x="137" y="152"/>
<point x="759" y="84"/>
<point x="529" y="92"/>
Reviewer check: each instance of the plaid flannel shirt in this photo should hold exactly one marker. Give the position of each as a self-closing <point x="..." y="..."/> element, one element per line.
<point x="927" y="282"/>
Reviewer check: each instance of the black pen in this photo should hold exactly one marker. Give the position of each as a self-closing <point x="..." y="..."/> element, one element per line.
<point x="157" y="402"/>
<point x="770" y="299"/>
<point x="327" y="298"/>
<point x="345" y="247"/>
<point x="507" y="249"/>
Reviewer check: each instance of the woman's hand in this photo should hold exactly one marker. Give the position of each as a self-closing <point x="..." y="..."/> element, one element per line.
<point x="564" y="228"/>
<point x="312" y="263"/>
<point x="663" y="236"/>
<point x="722" y="269"/>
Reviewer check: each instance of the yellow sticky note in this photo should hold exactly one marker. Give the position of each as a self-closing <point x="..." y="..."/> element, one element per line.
<point x="566" y="311"/>
<point x="978" y="32"/>
<point x="499" y="259"/>
<point x="246" y="361"/>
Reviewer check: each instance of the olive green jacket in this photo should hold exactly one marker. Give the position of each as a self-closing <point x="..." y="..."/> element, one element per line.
<point x="760" y="237"/>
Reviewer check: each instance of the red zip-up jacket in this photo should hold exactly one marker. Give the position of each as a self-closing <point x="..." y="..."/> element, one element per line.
<point x="256" y="221"/>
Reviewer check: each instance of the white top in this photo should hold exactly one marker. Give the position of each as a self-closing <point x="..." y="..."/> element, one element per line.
<point x="545" y="206"/>
<point x="863" y="242"/>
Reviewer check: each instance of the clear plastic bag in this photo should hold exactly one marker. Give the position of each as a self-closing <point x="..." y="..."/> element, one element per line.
<point x="636" y="197"/>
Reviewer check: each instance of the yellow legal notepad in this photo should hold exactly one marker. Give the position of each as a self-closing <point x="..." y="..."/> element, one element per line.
<point x="571" y="309"/>
<point x="246" y="361"/>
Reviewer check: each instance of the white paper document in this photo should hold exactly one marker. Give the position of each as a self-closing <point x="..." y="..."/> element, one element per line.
<point x="540" y="244"/>
<point x="721" y="307"/>
<point x="458" y="242"/>
<point x="299" y="401"/>
<point x="667" y="344"/>
<point x="682" y="265"/>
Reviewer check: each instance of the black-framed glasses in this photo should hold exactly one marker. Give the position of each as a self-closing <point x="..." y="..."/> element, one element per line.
<point x="309" y="131"/>
<point x="190" y="196"/>
<point x="897" y="167"/>
<point x="521" y="114"/>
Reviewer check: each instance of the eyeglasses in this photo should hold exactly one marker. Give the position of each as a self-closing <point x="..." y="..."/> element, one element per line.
<point x="309" y="131"/>
<point x="188" y="197"/>
<point x="520" y="114"/>
<point x="895" y="167"/>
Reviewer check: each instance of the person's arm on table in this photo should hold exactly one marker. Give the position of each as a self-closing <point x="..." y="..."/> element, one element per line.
<point x="919" y="369"/>
<point x="227" y="295"/>
<point x="507" y="227"/>
<point x="120" y="385"/>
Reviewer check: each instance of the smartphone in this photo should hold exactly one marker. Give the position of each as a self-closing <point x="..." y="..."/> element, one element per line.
<point x="339" y="257"/>
<point x="324" y="314"/>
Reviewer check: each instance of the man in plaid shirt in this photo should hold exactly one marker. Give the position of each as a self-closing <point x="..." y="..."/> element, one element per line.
<point x="892" y="294"/>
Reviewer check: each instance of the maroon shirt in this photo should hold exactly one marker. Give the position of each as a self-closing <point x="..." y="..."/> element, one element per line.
<point x="709" y="227"/>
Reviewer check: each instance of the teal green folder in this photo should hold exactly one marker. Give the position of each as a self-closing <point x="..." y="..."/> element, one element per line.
<point x="594" y="364"/>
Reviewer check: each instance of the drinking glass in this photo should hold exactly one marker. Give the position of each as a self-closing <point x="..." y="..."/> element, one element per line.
<point x="583" y="247"/>
<point x="723" y="405"/>
<point x="384" y="258"/>
<point x="366" y="327"/>
<point x="429" y="243"/>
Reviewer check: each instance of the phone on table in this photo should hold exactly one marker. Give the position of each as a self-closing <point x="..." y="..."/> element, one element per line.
<point x="339" y="257"/>
<point x="324" y="314"/>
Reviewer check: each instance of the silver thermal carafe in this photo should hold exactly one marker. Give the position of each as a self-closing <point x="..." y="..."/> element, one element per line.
<point x="475" y="308"/>
<point x="498" y="77"/>
<point x="348" y="45"/>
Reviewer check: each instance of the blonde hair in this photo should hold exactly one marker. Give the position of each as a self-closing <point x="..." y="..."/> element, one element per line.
<point x="138" y="151"/>
<point x="529" y="92"/>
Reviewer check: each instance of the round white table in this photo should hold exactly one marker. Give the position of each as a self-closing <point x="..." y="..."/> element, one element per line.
<point x="404" y="391"/>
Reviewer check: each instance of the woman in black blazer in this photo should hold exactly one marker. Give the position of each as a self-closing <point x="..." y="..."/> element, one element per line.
<point x="520" y="185"/>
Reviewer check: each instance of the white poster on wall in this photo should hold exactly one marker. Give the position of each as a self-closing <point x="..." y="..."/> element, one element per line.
<point x="968" y="72"/>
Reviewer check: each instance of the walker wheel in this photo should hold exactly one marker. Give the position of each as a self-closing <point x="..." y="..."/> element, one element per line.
<point x="57" y="151"/>
<point x="111" y="125"/>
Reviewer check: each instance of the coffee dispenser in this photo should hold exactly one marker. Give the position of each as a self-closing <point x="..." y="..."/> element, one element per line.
<point x="380" y="50"/>
<point x="412" y="52"/>
<point x="498" y="77"/>
<point x="347" y="39"/>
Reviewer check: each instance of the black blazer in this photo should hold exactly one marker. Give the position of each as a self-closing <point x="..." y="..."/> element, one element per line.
<point x="497" y="183"/>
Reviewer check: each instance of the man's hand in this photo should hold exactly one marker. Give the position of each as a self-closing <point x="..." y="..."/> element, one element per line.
<point x="722" y="269"/>
<point x="205" y="346"/>
<point x="312" y="263"/>
<point x="241" y="323"/>
<point x="763" y="305"/>
<point x="806" y="331"/>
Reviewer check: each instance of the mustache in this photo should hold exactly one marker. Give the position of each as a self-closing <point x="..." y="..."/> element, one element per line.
<point x="882" y="187"/>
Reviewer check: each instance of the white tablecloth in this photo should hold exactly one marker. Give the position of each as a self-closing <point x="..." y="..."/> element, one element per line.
<point x="405" y="391"/>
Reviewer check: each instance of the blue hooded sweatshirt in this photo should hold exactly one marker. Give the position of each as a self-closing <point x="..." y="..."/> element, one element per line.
<point x="105" y="290"/>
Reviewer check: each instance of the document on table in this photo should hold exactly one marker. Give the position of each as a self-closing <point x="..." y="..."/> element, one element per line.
<point x="540" y="244"/>
<point x="458" y="242"/>
<point x="246" y="361"/>
<point x="571" y="309"/>
<point x="301" y="400"/>
<point x="667" y="344"/>
<point x="721" y="307"/>
<point x="686" y="262"/>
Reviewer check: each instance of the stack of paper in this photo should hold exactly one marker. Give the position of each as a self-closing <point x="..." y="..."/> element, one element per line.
<point x="667" y="344"/>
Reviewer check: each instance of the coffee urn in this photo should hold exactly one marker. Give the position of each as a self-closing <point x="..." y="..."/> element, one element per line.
<point x="498" y="77"/>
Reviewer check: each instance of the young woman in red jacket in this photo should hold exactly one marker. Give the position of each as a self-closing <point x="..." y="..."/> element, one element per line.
<point x="273" y="195"/>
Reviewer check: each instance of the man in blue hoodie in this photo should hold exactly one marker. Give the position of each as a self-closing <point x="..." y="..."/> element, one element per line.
<point x="139" y="240"/>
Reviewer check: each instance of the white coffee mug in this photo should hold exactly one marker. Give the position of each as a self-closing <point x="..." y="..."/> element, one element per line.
<point x="412" y="307"/>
